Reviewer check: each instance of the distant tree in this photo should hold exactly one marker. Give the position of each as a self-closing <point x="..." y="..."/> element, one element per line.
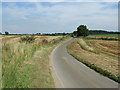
<point x="0" y="33"/>
<point x="38" y="33"/>
<point x="82" y="31"/>
<point x="75" y="33"/>
<point x="102" y="32"/>
<point x="63" y="33"/>
<point x="6" y="33"/>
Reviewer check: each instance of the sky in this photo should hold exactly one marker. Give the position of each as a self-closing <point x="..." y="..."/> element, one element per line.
<point x="51" y="17"/>
<point x="59" y="0"/>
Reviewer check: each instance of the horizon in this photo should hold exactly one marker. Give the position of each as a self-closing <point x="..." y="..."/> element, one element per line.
<point x="49" y="17"/>
<point x="55" y="32"/>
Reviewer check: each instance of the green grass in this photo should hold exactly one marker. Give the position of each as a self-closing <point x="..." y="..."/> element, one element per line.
<point x="95" y="68"/>
<point x="107" y="35"/>
<point x="103" y="38"/>
<point x="13" y="59"/>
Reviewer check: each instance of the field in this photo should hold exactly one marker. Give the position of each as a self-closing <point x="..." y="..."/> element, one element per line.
<point x="98" y="54"/>
<point x="104" y="37"/>
<point x="25" y="61"/>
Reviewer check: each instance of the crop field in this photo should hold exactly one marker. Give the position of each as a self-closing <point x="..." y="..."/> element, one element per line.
<point x="110" y="48"/>
<point x="105" y="37"/>
<point x="98" y="54"/>
<point x="25" y="60"/>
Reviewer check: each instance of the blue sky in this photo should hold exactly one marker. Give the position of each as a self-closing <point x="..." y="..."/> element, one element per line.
<point x="48" y="17"/>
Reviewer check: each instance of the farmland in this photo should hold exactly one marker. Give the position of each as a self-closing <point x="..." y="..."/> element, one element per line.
<point x="25" y="60"/>
<point x="99" y="52"/>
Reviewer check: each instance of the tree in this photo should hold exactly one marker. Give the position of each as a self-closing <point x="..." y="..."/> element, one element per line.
<point x="0" y="33"/>
<point x="75" y="33"/>
<point x="82" y="31"/>
<point x="6" y="33"/>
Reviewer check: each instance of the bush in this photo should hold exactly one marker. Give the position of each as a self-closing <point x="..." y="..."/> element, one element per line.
<point x="44" y="41"/>
<point x="27" y="39"/>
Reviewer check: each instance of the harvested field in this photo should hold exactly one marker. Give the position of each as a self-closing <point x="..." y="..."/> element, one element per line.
<point x="99" y="59"/>
<point x="104" y="46"/>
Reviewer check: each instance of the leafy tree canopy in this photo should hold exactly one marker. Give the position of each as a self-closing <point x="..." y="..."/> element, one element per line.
<point x="82" y="31"/>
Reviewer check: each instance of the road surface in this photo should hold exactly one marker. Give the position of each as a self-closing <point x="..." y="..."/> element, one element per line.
<point x="70" y="73"/>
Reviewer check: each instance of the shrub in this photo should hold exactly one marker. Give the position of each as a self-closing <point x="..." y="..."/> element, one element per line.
<point x="44" y="41"/>
<point x="27" y="39"/>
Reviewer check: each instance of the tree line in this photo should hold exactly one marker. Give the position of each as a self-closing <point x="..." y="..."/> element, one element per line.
<point x="81" y="30"/>
<point x="102" y="32"/>
<point x="44" y="34"/>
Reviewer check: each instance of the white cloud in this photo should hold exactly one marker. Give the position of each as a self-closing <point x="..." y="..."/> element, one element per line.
<point x="59" y="17"/>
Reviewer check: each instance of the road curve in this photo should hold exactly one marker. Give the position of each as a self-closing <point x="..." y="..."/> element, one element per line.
<point x="70" y="73"/>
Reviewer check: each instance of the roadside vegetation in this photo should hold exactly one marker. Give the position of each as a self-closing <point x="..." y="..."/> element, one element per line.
<point x="25" y="61"/>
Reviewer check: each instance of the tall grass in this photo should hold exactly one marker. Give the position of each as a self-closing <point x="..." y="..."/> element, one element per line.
<point x="13" y="59"/>
<point x="20" y="67"/>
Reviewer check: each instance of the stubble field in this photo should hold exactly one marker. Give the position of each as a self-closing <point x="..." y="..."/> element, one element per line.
<point x="100" y="55"/>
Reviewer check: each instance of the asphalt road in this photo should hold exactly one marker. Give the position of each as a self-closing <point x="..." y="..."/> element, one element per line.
<point x="70" y="73"/>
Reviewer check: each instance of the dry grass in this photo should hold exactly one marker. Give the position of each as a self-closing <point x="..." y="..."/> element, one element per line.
<point x="26" y="65"/>
<point x="107" y="47"/>
<point x="103" y="61"/>
<point x="84" y="45"/>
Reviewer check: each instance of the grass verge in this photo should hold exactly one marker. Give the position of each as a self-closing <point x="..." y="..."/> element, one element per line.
<point x="26" y="65"/>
